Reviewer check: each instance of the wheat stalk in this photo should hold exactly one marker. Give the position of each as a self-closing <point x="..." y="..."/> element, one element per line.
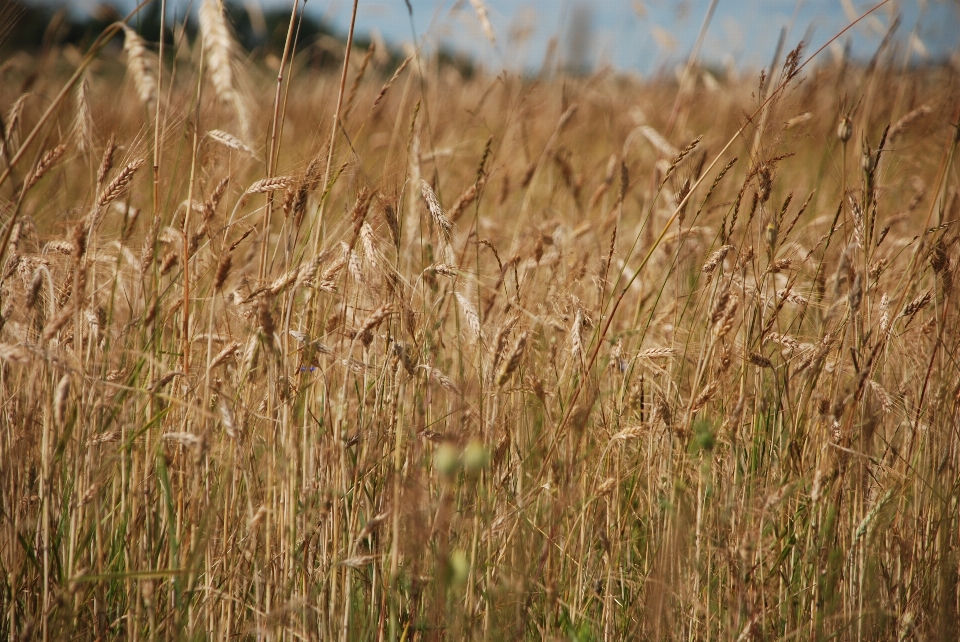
<point x="141" y="66"/>
<point x="218" y="47"/>
<point x="471" y="316"/>
<point x="483" y="16"/>
<point x="45" y="164"/>
<point x="229" y="141"/>
<point x="83" y="123"/>
<point x="274" y="184"/>
<point x="120" y="183"/>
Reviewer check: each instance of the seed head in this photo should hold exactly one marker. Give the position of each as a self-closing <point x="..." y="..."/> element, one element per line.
<point x="60" y="400"/>
<point x="433" y="204"/>
<point x="844" y="129"/>
<point x="513" y="361"/>
<point x="223" y="271"/>
<point x="141" y="65"/>
<point x="120" y="183"/>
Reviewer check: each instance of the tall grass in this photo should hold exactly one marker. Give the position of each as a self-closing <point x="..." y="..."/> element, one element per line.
<point x="501" y="359"/>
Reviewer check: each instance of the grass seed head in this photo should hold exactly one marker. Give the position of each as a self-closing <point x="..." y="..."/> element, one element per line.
<point x="141" y="65"/>
<point x="219" y="47"/>
<point x="45" y="164"/>
<point x="433" y="204"/>
<point x="120" y="183"/>
<point x="512" y="362"/>
<point x="60" y="399"/>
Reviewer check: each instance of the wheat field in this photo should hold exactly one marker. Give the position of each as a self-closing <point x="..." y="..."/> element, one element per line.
<point x="393" y="351"/>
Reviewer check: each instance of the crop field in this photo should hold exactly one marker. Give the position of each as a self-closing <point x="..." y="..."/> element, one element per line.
<point x="391" y="348"/>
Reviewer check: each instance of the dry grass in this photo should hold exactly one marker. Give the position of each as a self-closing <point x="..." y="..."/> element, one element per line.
<point x="512" y="359"/>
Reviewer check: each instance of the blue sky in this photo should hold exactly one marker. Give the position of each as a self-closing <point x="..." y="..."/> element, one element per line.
<point x="645" y="35"/>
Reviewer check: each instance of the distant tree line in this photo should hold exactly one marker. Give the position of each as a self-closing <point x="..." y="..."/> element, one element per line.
<point x="33" y="27"/>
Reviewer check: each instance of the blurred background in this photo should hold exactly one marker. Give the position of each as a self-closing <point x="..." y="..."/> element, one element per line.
<point x="648" y="37"/>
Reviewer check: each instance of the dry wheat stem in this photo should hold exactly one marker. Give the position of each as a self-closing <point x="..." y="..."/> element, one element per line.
<point x="95" y="48"/>
<point x="353" y="399"/>
<point x="141" y="66"/>
<point x="598" y="339"/>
